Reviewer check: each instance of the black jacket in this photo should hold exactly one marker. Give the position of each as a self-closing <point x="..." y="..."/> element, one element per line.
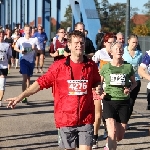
<point x="99" y="40"/>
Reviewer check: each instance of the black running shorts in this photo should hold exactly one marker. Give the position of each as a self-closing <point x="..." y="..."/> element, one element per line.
<point x="116" y="109"/>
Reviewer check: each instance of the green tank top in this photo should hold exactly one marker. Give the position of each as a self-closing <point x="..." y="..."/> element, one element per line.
<point x="116" y="78"/>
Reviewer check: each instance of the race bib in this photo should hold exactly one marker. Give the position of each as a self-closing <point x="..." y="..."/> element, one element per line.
<point x="2" y="57"/>
<point x="61" y="51"/>
<point x="27" y="49"/>
<point x="117" y="79"/>
<point x="77" y="87"/>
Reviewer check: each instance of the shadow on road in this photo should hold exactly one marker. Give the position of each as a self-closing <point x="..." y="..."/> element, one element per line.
<point x="29" y="136"/>
<point x="30" y="105"/>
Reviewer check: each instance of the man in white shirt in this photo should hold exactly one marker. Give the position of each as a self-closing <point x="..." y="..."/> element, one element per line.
<point x="5" y="54"/>
<point x="27" y="46"/>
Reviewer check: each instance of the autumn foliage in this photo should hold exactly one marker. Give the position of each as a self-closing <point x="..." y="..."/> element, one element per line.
<point x="141" y="30"/>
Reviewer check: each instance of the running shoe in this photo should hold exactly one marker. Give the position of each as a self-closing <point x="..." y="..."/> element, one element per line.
<point x="41" y="71"/>
<point x="105" y="134"/>
<point x="25" y="100"/>
<point x="37" y="71"/>
<point x="95" y="144"/>
<point x="16" y="67"/>
<point x="128" y="127"/>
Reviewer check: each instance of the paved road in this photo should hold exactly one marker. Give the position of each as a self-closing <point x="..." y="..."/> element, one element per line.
<point x="31" y="127"/>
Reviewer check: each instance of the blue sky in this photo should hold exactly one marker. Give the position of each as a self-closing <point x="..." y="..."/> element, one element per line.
<point x="134" y="3"/>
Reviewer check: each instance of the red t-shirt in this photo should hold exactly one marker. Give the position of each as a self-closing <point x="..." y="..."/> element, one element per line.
<point x="54" y="47"/>
<point x="76" y="70"/>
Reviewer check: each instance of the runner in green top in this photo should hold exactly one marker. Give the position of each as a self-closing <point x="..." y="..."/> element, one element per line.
<point x="116" y="79"/>
<point x="116" y="94"/>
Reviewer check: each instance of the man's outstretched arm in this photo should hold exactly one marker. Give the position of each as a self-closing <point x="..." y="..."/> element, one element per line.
<point x="34" y="88"/>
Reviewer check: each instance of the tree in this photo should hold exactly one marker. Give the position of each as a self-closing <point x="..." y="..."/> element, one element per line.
<point x="113" y="16"/>
<point x="102" y="8"/>
<point x="147" y="7"/>
<point x="117" y="14"/>
<point x="148" y="23"/>
<point x="141" y="30"/>
<point x="68" y="18"/>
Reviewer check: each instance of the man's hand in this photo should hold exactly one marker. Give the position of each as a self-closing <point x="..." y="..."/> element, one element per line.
<point x="12" y="102"/>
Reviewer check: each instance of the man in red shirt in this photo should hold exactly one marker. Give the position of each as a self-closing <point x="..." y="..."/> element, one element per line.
<point x="72" y="79"/>
<point x="58" y="46"/>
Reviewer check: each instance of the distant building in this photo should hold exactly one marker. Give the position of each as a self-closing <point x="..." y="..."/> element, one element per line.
<point x="140" y="19"/>
<point x="53" y="21"/>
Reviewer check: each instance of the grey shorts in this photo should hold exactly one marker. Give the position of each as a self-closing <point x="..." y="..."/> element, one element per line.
<point x="72" y="137"/>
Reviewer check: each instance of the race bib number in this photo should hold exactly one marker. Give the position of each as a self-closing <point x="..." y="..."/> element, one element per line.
<point x="2" y="57"/>
<point x="77" y="87"/>
<point x="117" y="79"/>
<point x="27" y="49"/>
<point x="61" y="51"/>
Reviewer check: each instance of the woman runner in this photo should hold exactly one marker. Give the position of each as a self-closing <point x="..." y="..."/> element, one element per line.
<point x="102" y="57"/>
<point x="116" y="95"/>
<point x="133" y="56"/>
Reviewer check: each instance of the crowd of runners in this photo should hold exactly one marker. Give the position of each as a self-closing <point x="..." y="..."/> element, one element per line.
<point x="23" y="49"/>
<point x="88" y="85"/>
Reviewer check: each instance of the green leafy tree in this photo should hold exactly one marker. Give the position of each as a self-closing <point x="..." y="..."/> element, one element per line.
<point x="147" y="7"/>
<point x="68" y="18"/>
<point x="148" y="23"/>
<point x="113" y="16"/>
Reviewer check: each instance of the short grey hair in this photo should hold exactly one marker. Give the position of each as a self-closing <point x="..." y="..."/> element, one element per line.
<point x="119" y="34"/>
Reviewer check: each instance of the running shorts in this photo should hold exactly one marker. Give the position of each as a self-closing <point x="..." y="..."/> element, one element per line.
<point x="116" y="109"/>
<point x="26" y="67"/>
<point x="72" y="137"/>
<point x="4" y="72"/>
